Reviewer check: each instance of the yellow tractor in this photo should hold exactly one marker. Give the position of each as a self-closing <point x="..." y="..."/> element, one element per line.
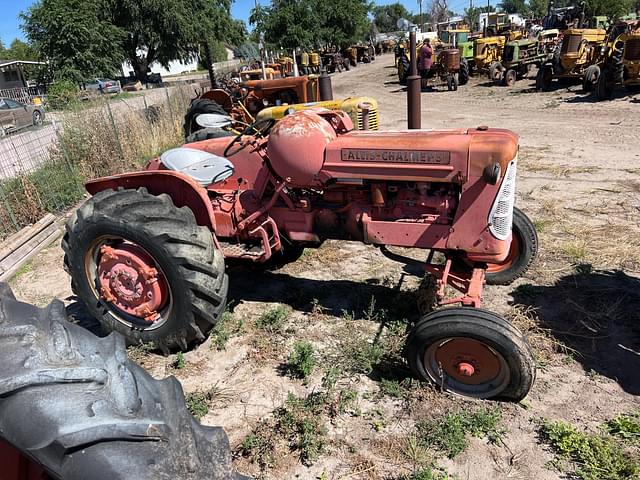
<point x="621" y="60"/>
<point x="487" y="52"/>
<point x="363" y="111"/>
<point x="577" y="58"/>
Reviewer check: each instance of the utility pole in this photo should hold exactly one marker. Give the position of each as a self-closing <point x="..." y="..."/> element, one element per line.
<point x="421" y="20"/>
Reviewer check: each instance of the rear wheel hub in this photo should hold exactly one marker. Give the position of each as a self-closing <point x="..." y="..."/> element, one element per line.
<point x="129" y="280"/>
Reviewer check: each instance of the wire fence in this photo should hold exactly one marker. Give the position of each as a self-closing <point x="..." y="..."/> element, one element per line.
<point x="43" y="169"/>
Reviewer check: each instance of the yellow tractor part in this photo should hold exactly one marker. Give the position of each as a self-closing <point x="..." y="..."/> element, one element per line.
<point x="256" y="74"/>
<point x="581" y="47"/>
<point x="314" y="59"/>
<point x="631" y="59"/>
<point x="487" y="51"/>
<point x="363" y="111"/>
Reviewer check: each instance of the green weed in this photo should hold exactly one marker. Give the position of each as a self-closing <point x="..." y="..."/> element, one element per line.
<point x="200" y="402"/>
<point x="226" y="327"/>
<point x="448" y="434"/>
<point x="626" y="427"/>
<point x="595" y="457"/>
<point x="273" y="320"/>
<point x="302" y="360"/>
<point x="179" y="362"/>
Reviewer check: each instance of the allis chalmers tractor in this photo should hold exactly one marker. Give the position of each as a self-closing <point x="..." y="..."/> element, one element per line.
<point x="577" y="58"/>
<point x="147" y="252"/>
<point x="621" y="60"/>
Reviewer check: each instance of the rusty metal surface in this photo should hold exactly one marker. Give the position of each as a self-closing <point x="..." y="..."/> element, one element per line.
<point x="414" y="120"/>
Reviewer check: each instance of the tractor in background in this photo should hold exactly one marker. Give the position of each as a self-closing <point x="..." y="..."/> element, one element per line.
<point x="577" y="58"/>
<point x="521" y="56"/>
<point x="621" y="60"/>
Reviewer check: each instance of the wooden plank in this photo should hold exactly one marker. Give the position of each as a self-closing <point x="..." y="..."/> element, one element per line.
<point x="27" y="233"/>
<point x="26" y="248"/>
<point x="57" y="233"/>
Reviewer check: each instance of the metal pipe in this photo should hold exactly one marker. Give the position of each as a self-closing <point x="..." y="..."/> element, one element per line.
<point x="413" y="86"/>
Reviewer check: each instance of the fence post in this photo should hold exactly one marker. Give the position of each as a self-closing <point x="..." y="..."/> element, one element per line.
<point x="115" y="131"/>
<point x="166" y="91"/>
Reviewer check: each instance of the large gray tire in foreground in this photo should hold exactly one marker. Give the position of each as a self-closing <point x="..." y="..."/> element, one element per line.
<point x="76" y="405"/>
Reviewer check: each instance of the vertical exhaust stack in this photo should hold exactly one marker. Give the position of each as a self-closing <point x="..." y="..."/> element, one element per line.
<point x="326" y="89"/>
<point x="413" y="86"/>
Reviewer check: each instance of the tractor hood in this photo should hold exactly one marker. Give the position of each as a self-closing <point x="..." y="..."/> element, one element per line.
<point x="418" y="155"/>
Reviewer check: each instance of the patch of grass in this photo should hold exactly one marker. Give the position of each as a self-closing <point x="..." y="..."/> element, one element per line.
<point x="626" y="427"/>
<point x="226" y="327"/>
<point x="302" y="360"/>
<point x="400" y="389"/>
<point x="428" y="473"/>
<point x="23" y="270"/>
<point x="272" y="321"/>
<point x="179" y="362"/>
<point x="138" y="353"/>
<point x="299" y="422"/>
<point x="595" y="457"/>
<point x="542" y="224"/>
<point x="448" y="434"/>
<point x="200" y="402"/>
<point x="576" y="250"/>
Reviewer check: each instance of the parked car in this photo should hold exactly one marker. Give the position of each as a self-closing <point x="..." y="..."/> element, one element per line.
<point x="15" y="115"/>
<point x="104" y="85"/>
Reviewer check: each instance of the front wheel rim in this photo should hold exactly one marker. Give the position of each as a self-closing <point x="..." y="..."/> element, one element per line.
<point x="129" y="282"/>
<point x="466" y="366"/>
<point x="512" y="257"/>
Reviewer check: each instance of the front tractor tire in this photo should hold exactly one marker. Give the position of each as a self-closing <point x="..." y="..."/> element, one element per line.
<point x="471" y="352"/>
<point x="145" y="269"/>
<point x="465" y="72"/>
<point x="522" y="253"/>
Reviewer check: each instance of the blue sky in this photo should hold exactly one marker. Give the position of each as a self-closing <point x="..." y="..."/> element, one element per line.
<point x="10" y="9"/>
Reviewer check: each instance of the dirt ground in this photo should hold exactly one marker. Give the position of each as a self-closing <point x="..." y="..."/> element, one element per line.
<point x="579" y="180"/>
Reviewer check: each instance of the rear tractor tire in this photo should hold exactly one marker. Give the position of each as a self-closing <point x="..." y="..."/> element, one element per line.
<point x="544" y="78"/>
<point x="465" y="72"/>
<point x="145" y="269"/>
<point x="198" y="107"/>
<point x="471" y="352"/>
<point x="76" y="405"/>
<point x="522" y="253"/>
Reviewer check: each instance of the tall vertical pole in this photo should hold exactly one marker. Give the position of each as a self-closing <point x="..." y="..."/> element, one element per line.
<point x="413" y="86"/>
<point x="421" y="20"/>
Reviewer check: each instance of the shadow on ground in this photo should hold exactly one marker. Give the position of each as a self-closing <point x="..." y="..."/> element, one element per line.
<point x="333" y="297"/>
<point x="597" y="315"/>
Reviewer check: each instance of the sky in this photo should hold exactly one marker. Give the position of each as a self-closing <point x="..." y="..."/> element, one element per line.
<point x="10" y="9"/>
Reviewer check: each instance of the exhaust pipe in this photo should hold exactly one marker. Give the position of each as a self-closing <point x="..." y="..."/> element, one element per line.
<point x="413" y="86"/>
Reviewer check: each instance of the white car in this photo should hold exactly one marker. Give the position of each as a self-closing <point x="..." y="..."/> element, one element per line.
<point x="104" y="85"/>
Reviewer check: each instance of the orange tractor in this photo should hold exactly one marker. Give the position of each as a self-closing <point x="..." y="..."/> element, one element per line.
<point x="147" y="251"/>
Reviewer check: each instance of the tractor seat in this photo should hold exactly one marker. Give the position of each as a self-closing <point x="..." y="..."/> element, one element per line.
<point x="205" y="168"/>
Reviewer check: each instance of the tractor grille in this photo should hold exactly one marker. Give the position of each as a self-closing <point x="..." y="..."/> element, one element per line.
<point x="632" y="50"/>
<point x="374" y="120"/>
<point x="501" y="215"/>
<point x="509" y="53"/>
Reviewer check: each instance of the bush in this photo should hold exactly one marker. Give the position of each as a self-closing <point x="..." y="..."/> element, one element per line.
<point x="62" y="94"/>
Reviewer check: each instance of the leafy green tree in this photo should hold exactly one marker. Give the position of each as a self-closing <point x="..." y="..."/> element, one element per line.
<point x="385" y="17"/>
<point x="343" y="22"/>
<point x="514" y="6"/>
<point x="611" y="8"/>
<point x="538" y="8"/>
<point x="76" y="37"/>
<point x="19" y="50"/>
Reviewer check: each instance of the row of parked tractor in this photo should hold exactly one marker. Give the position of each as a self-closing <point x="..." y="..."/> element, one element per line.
<point x="308" y="62"/>
<point x="601" y="59"/>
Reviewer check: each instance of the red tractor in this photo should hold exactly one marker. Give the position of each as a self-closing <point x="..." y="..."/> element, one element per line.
<point x="147" y="252"/>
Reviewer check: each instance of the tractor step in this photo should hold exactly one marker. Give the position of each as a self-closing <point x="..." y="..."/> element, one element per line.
<point x="242" y="250"/>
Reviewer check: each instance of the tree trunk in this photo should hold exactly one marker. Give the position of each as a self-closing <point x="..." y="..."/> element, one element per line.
<point x="208" y="61"/>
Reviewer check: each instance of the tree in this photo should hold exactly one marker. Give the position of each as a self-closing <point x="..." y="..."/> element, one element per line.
<point x="611" y="8"/>
<point x="514" y="6"/>
<point x="439" y="11"/>
<point x="343" y="22"/>
<point x="538" y="8"/>
<point x="385" y="17"/>
<point x="19" y="50"/>
<point x="76" y="37"/>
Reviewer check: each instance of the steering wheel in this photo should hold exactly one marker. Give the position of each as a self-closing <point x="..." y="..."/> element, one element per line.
<point x="259" y="129"/>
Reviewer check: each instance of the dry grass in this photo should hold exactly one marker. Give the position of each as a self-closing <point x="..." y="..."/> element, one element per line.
<point x="93" y="142"/>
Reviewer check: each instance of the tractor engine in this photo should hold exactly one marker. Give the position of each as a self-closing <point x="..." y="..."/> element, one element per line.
<point x="433" y="190"/>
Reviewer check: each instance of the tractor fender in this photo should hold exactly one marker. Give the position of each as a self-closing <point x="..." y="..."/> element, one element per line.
<point x="183" y="190"/>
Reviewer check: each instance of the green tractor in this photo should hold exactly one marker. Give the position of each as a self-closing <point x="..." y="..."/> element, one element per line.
<point x="520" y="56"/>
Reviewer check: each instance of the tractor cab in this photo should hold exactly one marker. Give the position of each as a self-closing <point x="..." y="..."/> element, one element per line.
<point x="454" y="38"/>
